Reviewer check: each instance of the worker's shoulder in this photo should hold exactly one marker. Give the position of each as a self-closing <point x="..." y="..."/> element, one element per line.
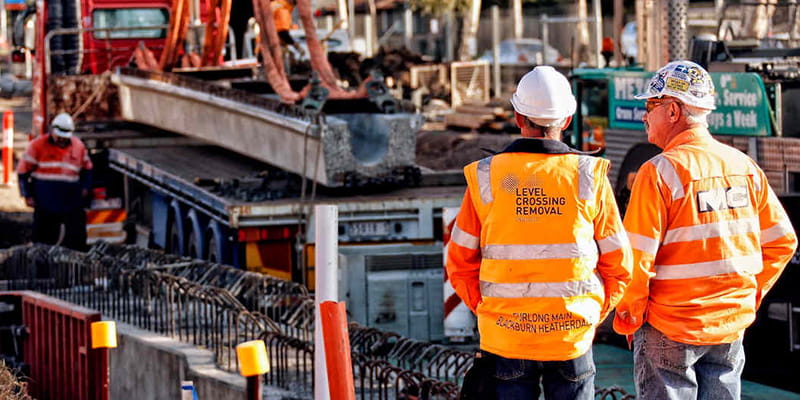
<point x="77" y="142"/>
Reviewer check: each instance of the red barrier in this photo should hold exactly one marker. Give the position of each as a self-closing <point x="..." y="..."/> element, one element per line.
<point x="8" y="146"/>
<point x="337" y="350"/>
<point x="63" y="364"/>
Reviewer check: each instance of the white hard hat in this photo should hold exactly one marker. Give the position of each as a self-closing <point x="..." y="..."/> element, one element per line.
<point x="684" y="80"/>
<point x="544" y="94"/>
<point x="62" y="125"/>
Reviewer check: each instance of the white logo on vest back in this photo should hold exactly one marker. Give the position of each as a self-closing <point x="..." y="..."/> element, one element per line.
<point x="722" y="199"/>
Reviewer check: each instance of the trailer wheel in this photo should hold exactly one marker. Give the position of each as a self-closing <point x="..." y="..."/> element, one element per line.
<point x="213" y="250"/>
<point x="192" y="249"/>
<point x="636" y="156"/>
<point x="174" y="243"/>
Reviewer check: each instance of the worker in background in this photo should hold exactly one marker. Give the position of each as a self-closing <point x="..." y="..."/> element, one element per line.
<point x="282" y="15"/>
<point x="54" y="179"/>
<point x="709" y="240"/>
<point x="538" y="250"/>
<point x="607" y="50"/>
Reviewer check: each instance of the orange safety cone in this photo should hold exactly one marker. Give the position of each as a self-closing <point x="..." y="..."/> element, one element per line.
<point x="8" y="146"/>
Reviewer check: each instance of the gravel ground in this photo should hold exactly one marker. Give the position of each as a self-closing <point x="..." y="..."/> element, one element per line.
<point x="443" y="150"/>
<point x="15" y="216"/>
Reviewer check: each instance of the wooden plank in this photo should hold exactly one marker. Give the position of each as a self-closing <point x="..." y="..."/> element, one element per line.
<point x="469" y="121"/>
<point x="474" y="109"/>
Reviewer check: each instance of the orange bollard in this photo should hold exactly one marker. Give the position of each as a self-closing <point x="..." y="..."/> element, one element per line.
<point x="8" y="146"/>
<point x="337" y="350"/>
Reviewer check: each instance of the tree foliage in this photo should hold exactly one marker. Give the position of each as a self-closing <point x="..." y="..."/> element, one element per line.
<point x="438" y="8"/>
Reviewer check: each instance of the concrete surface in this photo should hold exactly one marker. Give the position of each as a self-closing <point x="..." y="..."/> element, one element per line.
<point x="150" y="366"/>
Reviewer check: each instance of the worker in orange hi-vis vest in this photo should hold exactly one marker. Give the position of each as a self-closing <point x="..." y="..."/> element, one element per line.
<point x="282" y="15"/>
<point x="538" y="250"/>
<point x="54" y="178"/>
<point x="709" y="239"/>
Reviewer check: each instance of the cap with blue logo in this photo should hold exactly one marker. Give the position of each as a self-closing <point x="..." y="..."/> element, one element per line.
<point x="684" y="80"/>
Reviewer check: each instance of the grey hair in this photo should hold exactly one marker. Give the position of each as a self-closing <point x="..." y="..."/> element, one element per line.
<point x="695" y="115"/>
<point x="550" y="127"/>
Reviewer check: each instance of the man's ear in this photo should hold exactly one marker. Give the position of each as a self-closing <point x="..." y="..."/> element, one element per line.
<point x="566" y="124"/>
<point x="520" y="119"/>
<point x="674" y="112"/>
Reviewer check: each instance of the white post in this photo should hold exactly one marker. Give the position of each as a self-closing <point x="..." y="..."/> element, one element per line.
<point x="369" y="36"/>
<point x="517" y="11"/>
<point x="343" y="15"/>
<point x="351" y="21"/>
<point x="546" y="32"/>
<point x="496" y="50"/>
<point x="449" y="39"/>
<point x="326" y="249"/>
<point x="4" y="23"/>
<point x="598" y="31"/>
<point x="408" y="29"/>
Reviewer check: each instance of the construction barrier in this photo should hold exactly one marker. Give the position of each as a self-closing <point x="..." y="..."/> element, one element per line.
<point x="8" y="146"/>
<point x="60" y="362"/>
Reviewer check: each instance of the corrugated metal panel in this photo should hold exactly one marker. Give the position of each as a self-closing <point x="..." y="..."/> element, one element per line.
<point x="777" y="179"/>
<point x="63" y="365"/>
<point x="779" y="154"/>
<point x="618" y="142"/>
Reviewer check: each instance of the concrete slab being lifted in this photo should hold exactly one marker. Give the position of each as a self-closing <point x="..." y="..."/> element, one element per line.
<point x="329" y="150"/>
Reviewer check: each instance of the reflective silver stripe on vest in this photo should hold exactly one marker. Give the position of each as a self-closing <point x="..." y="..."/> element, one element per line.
<point x="542" y="289"/>
<point x="539" y="251"/>
<point x="464" y="239"/>
<point x="756" y="177"/>
<point x="643" y="243"/>
<point x="485" y="179"/>
<point x="613" y="242"/>
<point x="777" y="231"/>
<point x="586" y="177"/>
<point x="742" y="265"/>
<point x="667" y="172"/>
<point x="712" y="230"/>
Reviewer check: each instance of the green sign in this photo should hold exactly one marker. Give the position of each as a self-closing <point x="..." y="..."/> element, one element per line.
<point x="742" y="104"/>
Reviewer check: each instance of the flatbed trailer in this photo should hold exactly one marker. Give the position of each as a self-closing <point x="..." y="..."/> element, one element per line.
<point x="173" y="195"/>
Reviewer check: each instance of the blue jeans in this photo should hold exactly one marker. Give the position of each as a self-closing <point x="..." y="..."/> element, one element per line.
<point x="665" y="369"/>
<point x="562" y="380"/>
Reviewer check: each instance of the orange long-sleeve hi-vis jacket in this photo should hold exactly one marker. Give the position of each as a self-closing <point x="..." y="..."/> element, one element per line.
<point x="282" y="14"/>
<point x="538" y="250"/>
<point x="709" y="239"/>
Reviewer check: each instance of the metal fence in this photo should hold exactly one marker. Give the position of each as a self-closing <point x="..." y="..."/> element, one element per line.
<point x="218" y="307"/>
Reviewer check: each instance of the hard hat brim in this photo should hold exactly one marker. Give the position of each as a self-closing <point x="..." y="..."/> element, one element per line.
<point x="647" y="95"/>
<point x="62" y="134"/>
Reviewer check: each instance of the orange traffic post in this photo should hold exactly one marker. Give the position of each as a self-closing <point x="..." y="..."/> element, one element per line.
<point x="8" y="146"/>
<point x="253" y="362"/>
<point x="337" y="350"/>
<point x="104" y="337"/>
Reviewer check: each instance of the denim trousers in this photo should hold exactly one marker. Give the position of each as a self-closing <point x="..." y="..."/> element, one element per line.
<point x="561" y="380"/>
<point x="665" y="369"/>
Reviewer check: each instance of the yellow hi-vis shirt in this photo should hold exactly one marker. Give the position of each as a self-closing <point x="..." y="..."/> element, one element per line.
<point x="538" y="250"/>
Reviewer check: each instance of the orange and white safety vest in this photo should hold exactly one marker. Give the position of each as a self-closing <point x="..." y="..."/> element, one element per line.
<point x="282" y="14"/>
<point x="55" y="176"/>
<point x="538" y="250"/>
<point x="710" y="238"/>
